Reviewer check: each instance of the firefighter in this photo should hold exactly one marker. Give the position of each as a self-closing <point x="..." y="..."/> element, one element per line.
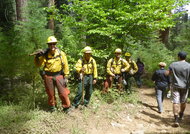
<point x="133" y="68"/>
<point x="55" y="73"/>
<point x="87" y="70"/>
<point x="115" y="67"/>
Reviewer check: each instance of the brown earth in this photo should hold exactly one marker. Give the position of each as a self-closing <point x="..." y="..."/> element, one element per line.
<point x="119" y="118"/>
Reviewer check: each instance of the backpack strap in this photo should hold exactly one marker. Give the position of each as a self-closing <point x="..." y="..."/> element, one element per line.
<point x="60" y="56"/>
<point x="112" y="61"/>
<point x="120" y="59"/>
<point x="47" y="58"/>
<point x="122" y="62"/>
<point x="91" y="62"/>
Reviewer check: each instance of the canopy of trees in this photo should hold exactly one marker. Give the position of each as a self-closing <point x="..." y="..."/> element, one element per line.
<point x="132" y="25"/>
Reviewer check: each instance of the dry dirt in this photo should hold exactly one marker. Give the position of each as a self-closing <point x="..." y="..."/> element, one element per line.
<point x="126" y="118"/>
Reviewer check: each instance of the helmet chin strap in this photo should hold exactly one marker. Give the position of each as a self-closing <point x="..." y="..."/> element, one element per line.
<point x="117" y="56"/>
<point x="52" y="50"/>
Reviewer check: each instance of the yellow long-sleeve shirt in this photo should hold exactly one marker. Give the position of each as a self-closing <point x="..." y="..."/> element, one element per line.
<point x="132" y="66"/>
<point x="53" y="63"/>
<point x="90" y="66"/>
<point x="114" y="66"/>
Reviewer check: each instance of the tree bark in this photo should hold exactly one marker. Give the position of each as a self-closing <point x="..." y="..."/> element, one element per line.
<point x="51" y="21"/>
<point x="20" y="5"/>
<point x="164" y="35"/>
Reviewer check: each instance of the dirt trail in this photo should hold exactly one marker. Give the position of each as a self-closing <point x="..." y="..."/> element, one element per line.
<point x="126" y="118"/>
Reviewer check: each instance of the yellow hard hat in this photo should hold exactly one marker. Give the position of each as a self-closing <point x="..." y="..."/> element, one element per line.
<point x="118" y="50"/>
<point x="51" y="39"/>
<point x="87" y="49"/>
<point x="127" y="54"/>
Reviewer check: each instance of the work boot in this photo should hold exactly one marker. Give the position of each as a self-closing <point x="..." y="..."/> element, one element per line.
<point x="52" y="109"/>
<point x="75" y="106"/>
<point x="176" y="121"/>
<point x="180" y="116"/>
<point x="67" y="110"/>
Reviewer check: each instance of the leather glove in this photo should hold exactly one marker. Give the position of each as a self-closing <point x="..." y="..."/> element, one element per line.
<point x="169" y="94"/>
<point x="113" y="75"/>
<point x="82" y="70"/>
<point x="39" y="53"/>
<point x="66" y="79"/>
<point x="131" y="72"/>
<point x="112" y="70"/>
<point x="122" y="70"/>
<point x="94" y="81"/>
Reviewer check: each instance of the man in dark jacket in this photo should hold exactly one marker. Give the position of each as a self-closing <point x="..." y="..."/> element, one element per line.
<point x="161" y="83"/>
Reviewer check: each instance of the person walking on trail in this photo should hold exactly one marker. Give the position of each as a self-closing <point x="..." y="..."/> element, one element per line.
<point x="115" y="67"/>
<point x="161" y="81"/>
<point x="180" y="76"/>
<point x="127" y="75"/>
<point x="87" y="69"/>
<point x="55" y="73"/>
<point x="139" y="73"/>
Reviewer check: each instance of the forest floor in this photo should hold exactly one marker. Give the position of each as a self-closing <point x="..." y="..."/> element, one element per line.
<point x="128" y="118"/>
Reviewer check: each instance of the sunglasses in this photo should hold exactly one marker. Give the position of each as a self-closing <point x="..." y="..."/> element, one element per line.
<point x="50" y="44"/>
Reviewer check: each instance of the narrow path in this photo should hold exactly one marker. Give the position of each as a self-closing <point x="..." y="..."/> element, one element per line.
<point x="126" y="118"/>
<point x="160" y="123"/>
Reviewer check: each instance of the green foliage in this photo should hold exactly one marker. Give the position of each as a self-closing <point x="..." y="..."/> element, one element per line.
<point x="151" y="55"/>
<point x="106" y="23"/>
<point x="16" y="65"/>
<point x="7" y="14"/>
<point x="182" y="39"/>
<point x="102" y="24"/>
<point x="18" y="120"/>
<point x="32" y="34"/>
<point x="112" y="97"/>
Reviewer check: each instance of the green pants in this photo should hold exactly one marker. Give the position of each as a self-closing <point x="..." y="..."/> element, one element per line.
<point x="88" y="79"/>
<point x="127" y="77"/>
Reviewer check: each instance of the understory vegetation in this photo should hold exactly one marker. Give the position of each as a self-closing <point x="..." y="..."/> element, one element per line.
<point x="134" y="26"/>
<point x="21" y="119"/>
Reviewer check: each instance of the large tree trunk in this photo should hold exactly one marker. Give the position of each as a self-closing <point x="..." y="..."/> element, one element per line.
<point x="164" y="35"/>
<point x="51" y="21"/>
<point x="20" y="5"/>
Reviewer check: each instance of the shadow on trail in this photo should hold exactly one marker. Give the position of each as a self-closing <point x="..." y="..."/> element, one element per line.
<point x="151" y="94"/>
<point x="154" y="108"/>
<point x="160" y="120"/>
<point x="167" y="121"/>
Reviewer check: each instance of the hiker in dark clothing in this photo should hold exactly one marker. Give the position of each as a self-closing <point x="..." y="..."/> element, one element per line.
<point x="161" y="83"/>
<point x="139" y="73"/>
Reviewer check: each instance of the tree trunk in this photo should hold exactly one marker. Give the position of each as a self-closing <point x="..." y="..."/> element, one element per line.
<point x="164" y="34"/>
<point x="51" y="21"/>
<point x="20" y="5"/>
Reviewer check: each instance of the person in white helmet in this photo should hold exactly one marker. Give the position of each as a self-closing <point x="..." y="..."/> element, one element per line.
<point x="87" y="69"/>
<point x="55" y="73"/>
<point x="115" y="67"/>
